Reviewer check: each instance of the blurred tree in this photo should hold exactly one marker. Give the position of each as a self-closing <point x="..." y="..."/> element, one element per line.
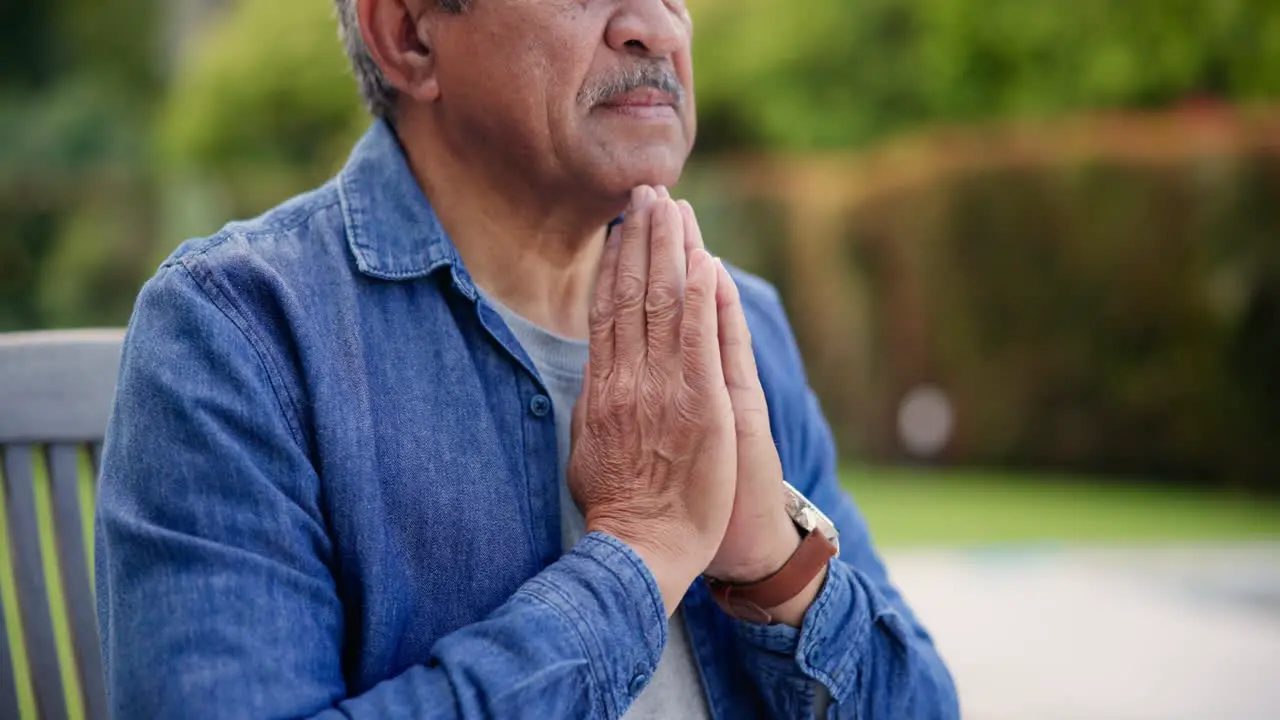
<point x="116" y="43"/>
<point x="24" y="45"/>
<point x="74" y="114"/>
<point x="1097" y="294"/>
<point x="839" y="73"/>
<point x="265" y="105"/>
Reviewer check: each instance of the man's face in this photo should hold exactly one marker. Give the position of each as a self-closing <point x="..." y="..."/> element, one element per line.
<point x="595" y="95"/>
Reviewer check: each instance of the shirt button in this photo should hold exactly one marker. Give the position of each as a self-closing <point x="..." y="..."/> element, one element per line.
<point x="638" y="683"/>
<point x="540" y="405"/>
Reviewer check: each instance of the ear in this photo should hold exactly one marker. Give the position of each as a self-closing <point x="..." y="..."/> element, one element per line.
<point x="398" y="35"/>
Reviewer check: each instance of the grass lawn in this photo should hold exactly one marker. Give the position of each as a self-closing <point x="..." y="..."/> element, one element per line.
<point x="949" y="508"/>
<point x="904" y="508"/>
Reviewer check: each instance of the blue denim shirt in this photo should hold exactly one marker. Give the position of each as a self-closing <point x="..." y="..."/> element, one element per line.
<point x="330" y="489"/>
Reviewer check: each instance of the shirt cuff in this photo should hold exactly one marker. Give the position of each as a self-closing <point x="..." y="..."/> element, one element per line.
<point x="831" y="640"/>
<point x="611" y="599"/>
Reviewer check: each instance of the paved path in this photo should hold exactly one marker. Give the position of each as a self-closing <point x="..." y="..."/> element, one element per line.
<point x="1162" y="633"/>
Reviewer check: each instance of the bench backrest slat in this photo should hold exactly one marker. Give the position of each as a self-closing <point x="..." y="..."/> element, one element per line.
<point x="8" y="684"/>
<point x="57" y="386"/>
<point x="64" y="473"/>
<point x="56" y="390"/>
<point x="33" y="591"/>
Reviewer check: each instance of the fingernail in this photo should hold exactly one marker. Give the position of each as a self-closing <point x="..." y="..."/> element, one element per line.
<point x="662" y="191"/>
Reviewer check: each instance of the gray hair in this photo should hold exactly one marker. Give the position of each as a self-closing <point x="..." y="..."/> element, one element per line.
<point x="379" y="96"/>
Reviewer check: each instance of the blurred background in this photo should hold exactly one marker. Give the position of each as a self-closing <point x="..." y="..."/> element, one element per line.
<point x="1030" y="249"/>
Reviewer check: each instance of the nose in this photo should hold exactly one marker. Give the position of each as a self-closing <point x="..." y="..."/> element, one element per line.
<point x="649" y="28"/>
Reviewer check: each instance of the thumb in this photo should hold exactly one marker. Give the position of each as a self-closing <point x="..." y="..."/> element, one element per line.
<point x="750" y="409"/>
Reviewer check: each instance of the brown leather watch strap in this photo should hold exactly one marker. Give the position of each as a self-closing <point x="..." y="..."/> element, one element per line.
<point x="752" y="601"/>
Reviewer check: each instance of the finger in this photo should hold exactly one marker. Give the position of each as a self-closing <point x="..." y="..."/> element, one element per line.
<point x="665" y="295"/>
<point x="632" y="281"/>
<point x="602" y="310"/>
<point x="698" y="328"/>
<point x="692" y="232"/>
<point x="735" y="335"/>
<point x="662" y="192"/>
<point x="750" y="410"/>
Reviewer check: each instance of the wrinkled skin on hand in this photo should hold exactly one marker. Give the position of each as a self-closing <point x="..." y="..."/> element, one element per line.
<point x="654" y="458"/>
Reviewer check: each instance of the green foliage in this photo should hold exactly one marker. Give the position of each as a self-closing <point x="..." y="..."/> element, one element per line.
<point x="839" y="73"/>
<point x="44" y="42"/>
<point x="101" y="254"/>
<point x="25" y="49"/>
<point x="75" y="98"/>
<point x="266" y="104"/>
<point x="930" y="507"/>
<point x="1112" y="314"/>
<point x="114" y="42"/>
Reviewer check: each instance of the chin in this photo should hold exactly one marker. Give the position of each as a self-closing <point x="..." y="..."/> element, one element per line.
<point x="657" y="166"/>
<point x="667" y="175"/>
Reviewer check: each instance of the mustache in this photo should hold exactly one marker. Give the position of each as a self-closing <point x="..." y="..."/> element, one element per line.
<point x="657" y="75"/>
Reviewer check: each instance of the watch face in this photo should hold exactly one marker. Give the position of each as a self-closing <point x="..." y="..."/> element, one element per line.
<point x="807" y="515"/>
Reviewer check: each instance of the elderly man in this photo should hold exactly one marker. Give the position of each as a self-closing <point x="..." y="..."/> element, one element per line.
<point x="443" y="438"/>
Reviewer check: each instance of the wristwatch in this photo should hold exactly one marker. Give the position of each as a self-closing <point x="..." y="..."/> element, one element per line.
<point x="820" y="543"/>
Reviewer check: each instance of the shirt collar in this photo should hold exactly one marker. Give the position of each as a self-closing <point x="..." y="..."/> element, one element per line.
<point x="391" y="228"/>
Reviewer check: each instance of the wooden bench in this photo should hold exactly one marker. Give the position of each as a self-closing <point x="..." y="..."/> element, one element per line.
<point x="55" y="396"/>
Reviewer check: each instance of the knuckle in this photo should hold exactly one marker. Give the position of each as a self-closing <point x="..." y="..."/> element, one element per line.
<point x="696" y="378"/>
<point x="752" y="423"/>
<point x="653" y="395"/>
<point x="600" y="314"/>
<point x="662" y="295"/>
<point x="699" y="292"/>
<point x="598" y="429"/>
<point x="691" y="341"/>
<point x="737" y="355"/>
<point x="632" y="231"/>
<point x="629" y="290"/>
<point x="688" y="408"/>
<point x="738" y="339"/>
<point x="662" y="320"/>
<point x="619" y="398"/>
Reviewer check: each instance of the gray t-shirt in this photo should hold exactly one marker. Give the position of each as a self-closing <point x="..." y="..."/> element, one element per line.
<point x="675" y="692"/>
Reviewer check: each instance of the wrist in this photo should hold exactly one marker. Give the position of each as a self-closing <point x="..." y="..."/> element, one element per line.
<point x="792" y="612"/>
<point x="785" y="595"/>
<point x="671" y="569"/>
<point x="765" y="558"/>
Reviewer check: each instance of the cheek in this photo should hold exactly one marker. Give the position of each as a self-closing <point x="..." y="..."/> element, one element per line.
<point x="568" y="72"/>
<point x="495" y="84"/>
<point x="684" y="71"/>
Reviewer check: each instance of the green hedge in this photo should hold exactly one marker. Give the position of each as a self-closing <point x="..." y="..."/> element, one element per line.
<point x="1092" y="297"/>
<point x="840" y="73"/>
